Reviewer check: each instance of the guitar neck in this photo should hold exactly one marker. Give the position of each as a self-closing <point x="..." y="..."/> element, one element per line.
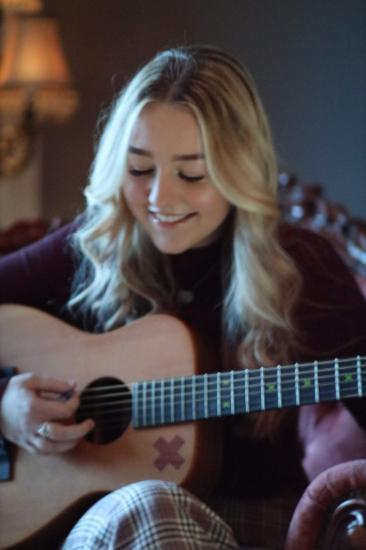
<point x="188" y="398"/>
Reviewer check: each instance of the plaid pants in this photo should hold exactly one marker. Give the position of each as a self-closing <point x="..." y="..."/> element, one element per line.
<point x="162" y="516"/>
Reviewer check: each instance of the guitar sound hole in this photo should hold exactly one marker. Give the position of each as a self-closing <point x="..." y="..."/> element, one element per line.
<point x="108" y="402"/>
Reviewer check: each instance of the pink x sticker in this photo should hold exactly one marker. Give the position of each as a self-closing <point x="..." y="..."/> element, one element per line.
<point x="168" y="452"/>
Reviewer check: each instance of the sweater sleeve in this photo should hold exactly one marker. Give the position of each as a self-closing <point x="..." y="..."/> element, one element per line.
<point x="40" y="274"/>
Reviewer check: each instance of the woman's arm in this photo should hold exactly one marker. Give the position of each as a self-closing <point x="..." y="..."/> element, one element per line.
<point x="39" y="275"/>
<point x="331" y="313"/>
<point x="332" y="317"/>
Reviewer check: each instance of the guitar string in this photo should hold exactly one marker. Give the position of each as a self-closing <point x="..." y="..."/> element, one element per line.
<point x="254" y="394"/>
<point x="252" y="408"/>
<point x="323" y="374"/>
<point x="124" y="406"/>
<point x="206" y="389"/>
<point x="268" y="371"/>
<point x="194" y="415"/>
<point x="211" y="387"/>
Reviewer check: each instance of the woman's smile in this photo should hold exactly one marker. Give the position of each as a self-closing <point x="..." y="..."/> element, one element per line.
<point x="169" y="220"/>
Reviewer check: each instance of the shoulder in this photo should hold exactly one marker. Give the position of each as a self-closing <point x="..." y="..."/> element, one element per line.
<point x="292" y="238"/>
<point x="324" y="273"/>
<point x="39" y="271"/>
<point x="310" y="249"/>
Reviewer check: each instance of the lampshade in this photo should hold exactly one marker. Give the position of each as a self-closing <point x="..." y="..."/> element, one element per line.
<point x="34" y="72"/>
<point x="35" y="85"/>
<point x="33" y="54"/>
<point x="21" y="5"/>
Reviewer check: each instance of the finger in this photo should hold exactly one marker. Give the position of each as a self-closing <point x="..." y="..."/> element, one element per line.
<point x="47" y="447"/>
<point x="50" y="384"/>
<point x="56" y="432"/>
<point x="57" y="409"/>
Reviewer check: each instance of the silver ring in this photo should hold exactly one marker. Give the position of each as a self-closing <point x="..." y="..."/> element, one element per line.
<point x="44" y="430"/>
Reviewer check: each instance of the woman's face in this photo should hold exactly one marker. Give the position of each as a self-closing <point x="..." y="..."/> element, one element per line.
<point x="167" y="187"/>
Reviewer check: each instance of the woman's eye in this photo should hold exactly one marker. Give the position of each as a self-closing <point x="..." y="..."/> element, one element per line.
<point x="190" y="178"/>
<point x="138" y="173"/>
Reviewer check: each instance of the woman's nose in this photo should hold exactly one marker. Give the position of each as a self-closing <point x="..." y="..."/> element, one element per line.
<point x="163" y="190"/>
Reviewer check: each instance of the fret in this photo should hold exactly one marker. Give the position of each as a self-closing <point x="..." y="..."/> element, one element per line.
<point x="336" y="379"/>
<point x="153" y="401"/>
<point x="297" y="391"/>
<point x="348" y="379"/>
<point x="306" y="384"/>
<point x="263" y="401"/>
<point x="270" y="387"/>
<point x="205" y="397"/>
<point x="150" y="403"/>
<point x="144" y="394"/>
<point x="359" y="377"/>
<point x="246" y="390"/>
<point x="225" y="393"/>
<point x="232" y="395"/>
<point x="254" y="389"/>
<point x="156" y="403"/>
<point x="326" y="377"/>
<point x="194" y="404"/>
<point x="279" y="387"/>
<point x="211" y="394"/>
<point x="162" y="401"/>
<point x="238" y="391"/>
<point x="171" y="400"/>
<point x="199" y="397"/>
<point x="182" y="399"/>
<point x="316" y="382"/>
<point x="288" y="386"/>
<point x="188" y="400"/>
<point x="135" y="388"/>
<point x="218" y="394"/>
<point x="177" y="391"/>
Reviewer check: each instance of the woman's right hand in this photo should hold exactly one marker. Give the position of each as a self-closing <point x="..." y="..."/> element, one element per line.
<point x="31" y="402"/>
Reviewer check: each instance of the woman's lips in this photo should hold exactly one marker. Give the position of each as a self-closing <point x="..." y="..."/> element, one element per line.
<point x="169" y="220"/>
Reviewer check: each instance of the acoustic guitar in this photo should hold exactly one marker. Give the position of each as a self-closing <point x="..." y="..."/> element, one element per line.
<point x="145" y="428"/>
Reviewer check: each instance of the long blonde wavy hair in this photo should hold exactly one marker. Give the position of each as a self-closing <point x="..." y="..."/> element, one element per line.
<point x="123" y="277"/>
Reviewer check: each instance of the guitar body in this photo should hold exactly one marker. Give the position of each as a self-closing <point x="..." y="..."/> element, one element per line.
<point x="44" y="489"/>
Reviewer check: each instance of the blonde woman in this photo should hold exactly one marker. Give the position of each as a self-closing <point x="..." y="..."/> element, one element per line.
<point x="182" y="218"/>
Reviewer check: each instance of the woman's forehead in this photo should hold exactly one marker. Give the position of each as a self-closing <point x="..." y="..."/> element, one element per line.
<point x="167" y="127"/>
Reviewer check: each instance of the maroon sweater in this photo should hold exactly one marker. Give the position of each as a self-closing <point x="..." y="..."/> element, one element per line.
<point x="331" y="314"/>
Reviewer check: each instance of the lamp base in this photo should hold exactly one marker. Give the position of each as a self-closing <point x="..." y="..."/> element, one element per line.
<point x="14" y="149"/>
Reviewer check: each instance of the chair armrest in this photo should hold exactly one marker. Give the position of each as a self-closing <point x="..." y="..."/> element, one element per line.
<point x="332" y="510"/>
<point x="345" y="528"/>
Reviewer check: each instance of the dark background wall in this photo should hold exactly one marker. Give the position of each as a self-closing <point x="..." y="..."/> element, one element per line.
<point x="308" y="58"/>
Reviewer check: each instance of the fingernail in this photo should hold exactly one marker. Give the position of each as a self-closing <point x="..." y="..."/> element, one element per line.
<point x="67" y="395"/>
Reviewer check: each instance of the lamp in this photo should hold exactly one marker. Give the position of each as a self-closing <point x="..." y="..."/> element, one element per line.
<point x="35" y="85"/>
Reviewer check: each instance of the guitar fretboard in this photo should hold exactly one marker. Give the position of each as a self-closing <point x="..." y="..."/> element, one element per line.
<point x="188" y="398"/>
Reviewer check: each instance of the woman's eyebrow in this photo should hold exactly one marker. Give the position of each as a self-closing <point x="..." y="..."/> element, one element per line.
<point x="138" y="151"/>
<point x="142" y="152"/>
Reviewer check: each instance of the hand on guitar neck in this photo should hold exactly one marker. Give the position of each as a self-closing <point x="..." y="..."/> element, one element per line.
<point x="37" y="414"/>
